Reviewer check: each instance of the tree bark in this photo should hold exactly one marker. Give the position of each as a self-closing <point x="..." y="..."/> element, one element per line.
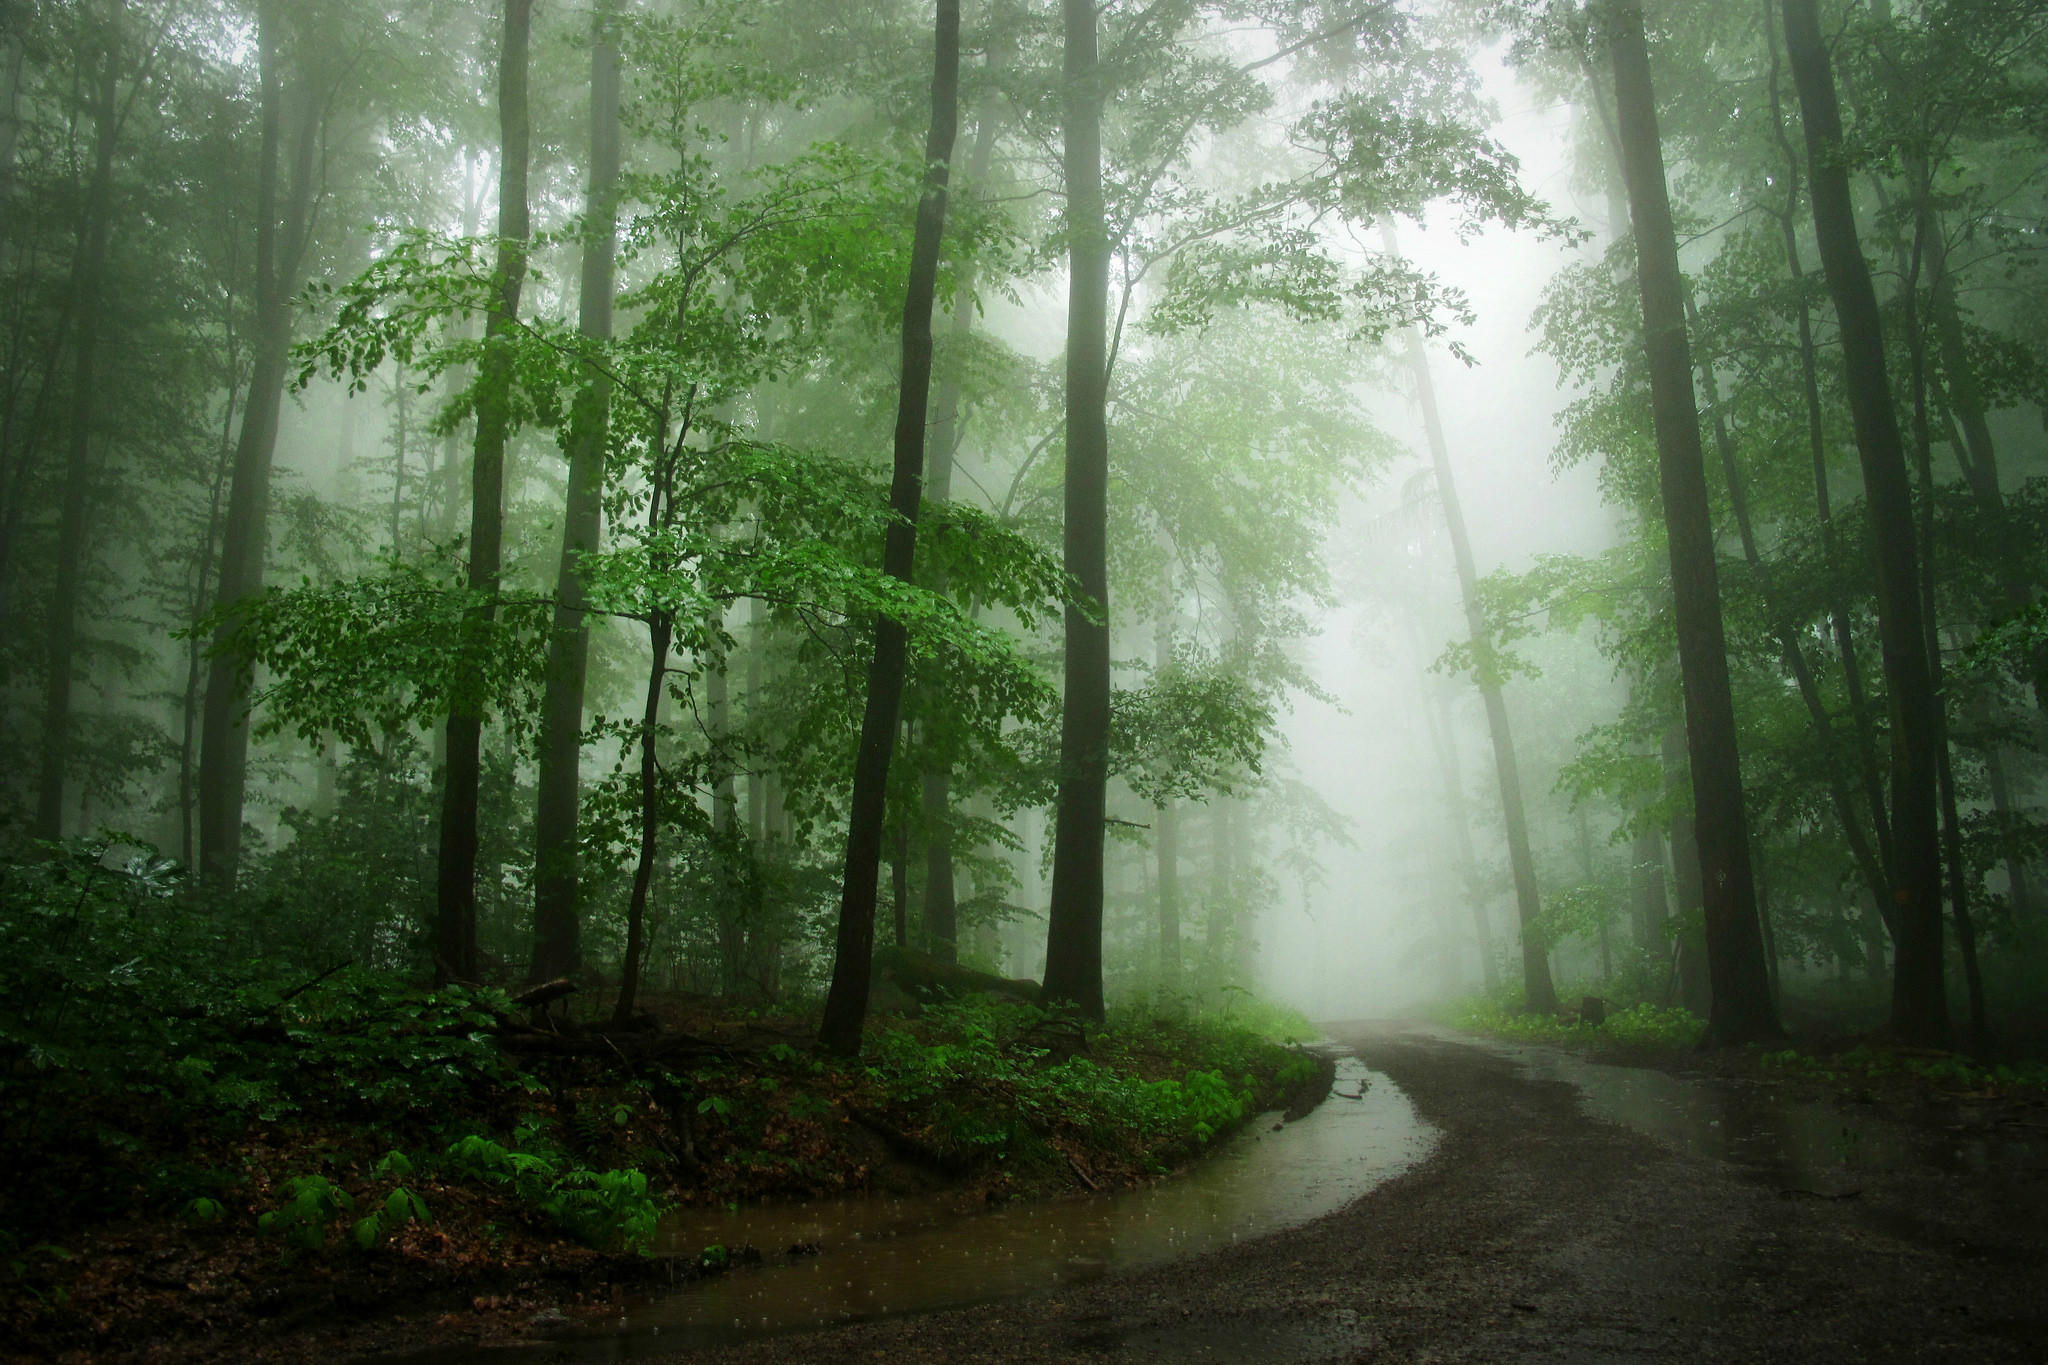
<point x="1865" y="749"/>
<point x="941" y="897"/>
<point x="557" y="915"/>
<point x="1073" y="942"/>
<point x="1790" y="651"/>
<point x="455" y="947"/>
<point x="280" y="246"/>
<point x="95" y="232"/>
<point x="1652" y="906"/>
<point x="1741" y="1009"/>
<point x="660" y="630"/>
<point x="1539" y="993"/>
<point x="846" y="1004"/>
<point x="1919" y="1012"/>
<point x="1688" y="941"/>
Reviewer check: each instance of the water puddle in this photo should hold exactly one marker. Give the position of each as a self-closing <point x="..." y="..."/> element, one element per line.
<point x="1804" y="1145"/>
<point x="883" y="1257"/>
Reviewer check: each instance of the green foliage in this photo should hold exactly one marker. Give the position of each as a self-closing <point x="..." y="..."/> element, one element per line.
<point x="603" y="1208"/>
<point x="1642" y="1025"/>
<point x="984" y="1075"/>
<point x="400" y="1207"/>
<point x="1883" y="1064"/>
<point x="203" y="1212"/>
<point x="186" y="1039"/>
<point x="1195" y="728"/>
<point x="311" y="1204"/>
<point x="368" y="657"/>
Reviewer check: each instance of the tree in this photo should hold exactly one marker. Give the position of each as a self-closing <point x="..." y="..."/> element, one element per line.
<point x="1742" y="1008"/>
<point x="1073" y="951"/>
<point x="95" y="231"/>
<point x="1539" y="995"/>
<point x="455" y="949"/>
<point x="1919" y="1012"/>
<point x="846" y="1004"/>
<point x="557" y="914"/>
<point x="283" y="228"/>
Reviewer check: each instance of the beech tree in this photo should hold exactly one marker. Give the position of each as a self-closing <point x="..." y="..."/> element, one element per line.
<point x="846" y="1004"/>
<point x="1742" y="1009"/>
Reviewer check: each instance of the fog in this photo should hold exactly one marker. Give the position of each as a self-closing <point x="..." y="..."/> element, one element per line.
<point x="1369" y="938"/>
<point x="545" y="628"/>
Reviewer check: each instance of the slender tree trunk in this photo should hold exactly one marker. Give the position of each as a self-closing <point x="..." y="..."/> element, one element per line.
<point x="245" y="536"/>
<point x="1861" y="851"/>
<point x="558" y="780"/>
<point x="1539" y="994"/>
<point x="846" y="1004"/>
<point x="941" y="898"/>
<point x="757" y="677"/>
<point x="660" y="631"/>
<point x="95" y="231"/>
<point x="1166" y="847"/>
<point x="1443" y="743"/>
<point x="1865" y="752"/>
<point x="1741" y="1009"/>
<point x="1945" y="784"/>
<point x="1073" y="942"/>
<point x="1689" y="939"/>
<point x="1919" y="995"/>
<point x="1166" y="835"/>
<point x="899" y="885"/>
<point x="1647" y="894"/>
<point x="455" y="946"/>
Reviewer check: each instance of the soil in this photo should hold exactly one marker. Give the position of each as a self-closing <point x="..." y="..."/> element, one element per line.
<point x="1534" y="1233"/>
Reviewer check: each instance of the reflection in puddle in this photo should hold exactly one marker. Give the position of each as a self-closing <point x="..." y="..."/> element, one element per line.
<point x="884" y="1256"/>
<point x="879" y="1257"/>
<point x="1801" y="1144"/>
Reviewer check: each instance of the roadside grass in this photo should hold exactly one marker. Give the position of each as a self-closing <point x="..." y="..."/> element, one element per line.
<point x="1644" y="1031"/>
<point x="1639" y="1026"/>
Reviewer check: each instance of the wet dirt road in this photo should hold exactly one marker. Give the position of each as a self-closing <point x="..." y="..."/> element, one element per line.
<point x="1537" y="1233"/>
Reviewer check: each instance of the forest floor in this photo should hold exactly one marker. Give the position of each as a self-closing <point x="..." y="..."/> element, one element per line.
<point x="344" y="1220"/>
<point x="1535" y="1232"/>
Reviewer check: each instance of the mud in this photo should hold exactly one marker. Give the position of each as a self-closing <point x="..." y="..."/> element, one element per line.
<point x="1538" y="1232"/>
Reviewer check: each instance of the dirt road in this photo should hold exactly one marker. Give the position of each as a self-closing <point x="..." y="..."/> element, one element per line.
<point x="1535" y="1233"/>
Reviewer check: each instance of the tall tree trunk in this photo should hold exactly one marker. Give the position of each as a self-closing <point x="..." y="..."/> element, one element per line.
<point x="245" y="537"/>
<point x="757" y="676"/>
<point x="1539" y="993"/>
<point x="1652" y="906"/>
<point x="1166" y="834"/>
<point x="1945" y="784"/>
<point x="660" y="631"/>
<point x="941" y="898"/>
<point x="1688" y="939"/>
<point x="1919" y="1012"/>
<point x="1790" y="650"/>
<point x="557" y="916"/>
<point x="95" y="231"/>
<point x="1741" y="1009"/>
<point x="846" y="1004"/>
<point x="1073" y="940"/>
<point x="1865" y="749"/>
<point x="455" y="948"/>
<point x="1443" y="743"/>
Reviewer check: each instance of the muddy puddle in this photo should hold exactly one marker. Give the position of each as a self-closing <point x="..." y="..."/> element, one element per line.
<point x="881" y="1257"/>
<point x="1813" y="1146"/>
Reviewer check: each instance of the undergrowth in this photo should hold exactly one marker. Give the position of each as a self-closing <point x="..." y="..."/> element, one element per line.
<point x="1642" y="1025"/>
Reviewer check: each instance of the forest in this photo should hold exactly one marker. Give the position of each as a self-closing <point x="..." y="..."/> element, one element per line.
<point x="612" y="607"/>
